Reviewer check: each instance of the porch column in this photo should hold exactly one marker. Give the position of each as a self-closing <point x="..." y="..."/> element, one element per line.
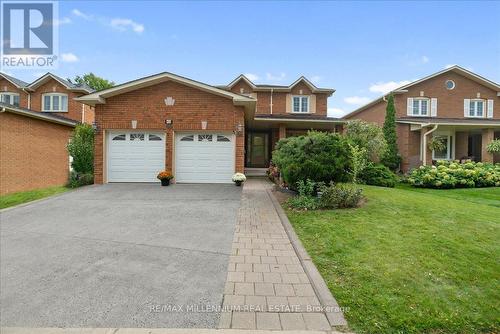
<point x="282" y="131"/>
<point x="487" y="136"/>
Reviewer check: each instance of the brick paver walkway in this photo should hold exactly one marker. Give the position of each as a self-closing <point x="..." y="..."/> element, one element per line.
<point x="266" y="286"/>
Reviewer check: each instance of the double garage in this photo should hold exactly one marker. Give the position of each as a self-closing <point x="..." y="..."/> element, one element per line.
<point x="198" y="157"/>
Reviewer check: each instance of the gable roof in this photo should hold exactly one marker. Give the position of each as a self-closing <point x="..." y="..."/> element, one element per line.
<point x="16" y="82"/>
<point x="403" y="89"/>
<point x="278" y="88"/>
<point x="100" y="96"/>
<point x="69" y="85"/>
<point x="4" y="107"/>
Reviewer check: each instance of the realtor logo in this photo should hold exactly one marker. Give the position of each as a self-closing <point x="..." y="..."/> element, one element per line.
<point x="28" y="35"/>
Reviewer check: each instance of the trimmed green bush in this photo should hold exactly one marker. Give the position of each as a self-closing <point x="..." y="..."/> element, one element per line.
<point x="317" y="156"/>
<point x="391" y="157"/>
<point x="452" y="174"/>
<point x="378" y="175"/>
<point x="77" y="180"/>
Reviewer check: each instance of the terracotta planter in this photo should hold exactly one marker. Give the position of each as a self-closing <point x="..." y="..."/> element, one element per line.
<point x="165" y="182"/>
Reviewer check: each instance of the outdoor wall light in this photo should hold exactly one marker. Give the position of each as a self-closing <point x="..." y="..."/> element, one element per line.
<point x="134" y="124"/>
<point x="169" y="101"/>
<point x="238" y="130"/>
<point x="203" y="125"/>
<point x="95" y="127"/>
<point x="169" y="123"/>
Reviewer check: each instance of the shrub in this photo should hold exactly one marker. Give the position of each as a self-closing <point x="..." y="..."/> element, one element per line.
<point x="368" y="136"/>
<point x="81" y="148"/>
<point x="340" y="196"/>
<point x="378" y="175"/>
<point x="493" y="147"/>
<point x="303" y="203"/>
<point x="359" y="161"/>
<point x="391" y="157"/>
<point x="273" y="173"/>
<point x="318" y="156"/>
<point x="452" y="174"/>
<point x="77" y="180"/>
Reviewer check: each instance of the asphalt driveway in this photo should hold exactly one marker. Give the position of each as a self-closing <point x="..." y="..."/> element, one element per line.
<point x="118" y="255"/>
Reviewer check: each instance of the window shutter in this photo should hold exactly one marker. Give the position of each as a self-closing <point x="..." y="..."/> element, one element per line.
<point x="312" y="104"/>
<point x="434" y="107"/>
<point x="490" y="109"/>
<point x="466" y="107"/>
<point x="409" y="107"/>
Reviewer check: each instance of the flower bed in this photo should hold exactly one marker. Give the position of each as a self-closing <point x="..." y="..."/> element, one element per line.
<point x="452" y="174"/>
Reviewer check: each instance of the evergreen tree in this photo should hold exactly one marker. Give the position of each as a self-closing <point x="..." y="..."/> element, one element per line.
<point x="391" y="157"/>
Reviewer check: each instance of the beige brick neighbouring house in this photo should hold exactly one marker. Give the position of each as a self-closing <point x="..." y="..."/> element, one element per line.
<point x="203" y="133"/>
<point x="454" y="105"/>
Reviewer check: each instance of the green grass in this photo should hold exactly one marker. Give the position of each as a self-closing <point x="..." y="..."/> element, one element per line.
<point x="411" y="260"/>
<point x="28" y="196"/>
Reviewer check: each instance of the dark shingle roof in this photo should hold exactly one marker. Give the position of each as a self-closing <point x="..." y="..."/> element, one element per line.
<point x="19" y="83"/>
<point x="40" y="115"/>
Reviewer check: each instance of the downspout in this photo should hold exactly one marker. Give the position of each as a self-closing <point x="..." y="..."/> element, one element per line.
<point x="83" y="113"/>
<point x="29" y="97"/>
<point x="424" y="148"/>
<point x="271" y="101"/>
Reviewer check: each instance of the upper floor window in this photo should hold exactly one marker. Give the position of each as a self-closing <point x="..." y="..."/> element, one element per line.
<point x="300" y="103"/>
<point x="55" y="102"/>
<point x="420" y="107"/>
<point x="10" y="98"/>
<point x="476" y="108"/>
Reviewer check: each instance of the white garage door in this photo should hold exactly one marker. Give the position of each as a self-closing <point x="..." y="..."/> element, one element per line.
<point x="135" y="156"/>
<point x="204" y="157"/>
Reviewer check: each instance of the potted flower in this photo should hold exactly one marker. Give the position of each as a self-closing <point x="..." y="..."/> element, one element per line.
<point x="165" y="177"/>
<point x="239" y="178"/>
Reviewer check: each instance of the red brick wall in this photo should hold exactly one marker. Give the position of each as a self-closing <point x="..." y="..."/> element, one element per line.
<point x="6" y="86"/>
<point x="147" y="106"/>
<point x="33" y="153"/>
<point x="74" y="107"/>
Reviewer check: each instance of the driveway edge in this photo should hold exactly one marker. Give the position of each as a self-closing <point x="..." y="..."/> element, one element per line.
<point x="331" y="308"/>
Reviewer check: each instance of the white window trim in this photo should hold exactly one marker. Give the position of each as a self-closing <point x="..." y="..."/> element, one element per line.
<point x="420" y="99"/>
<point x="485" y="105"/>
<point x="11" y="94"/>
<point x="54" y="94"/>
<point x="300" y="104"/>
<point x="451" y="143"/>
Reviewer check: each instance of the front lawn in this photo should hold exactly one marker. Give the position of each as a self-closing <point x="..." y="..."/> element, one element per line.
<point x="28" y="196"/>
<point x="411" y="260"/>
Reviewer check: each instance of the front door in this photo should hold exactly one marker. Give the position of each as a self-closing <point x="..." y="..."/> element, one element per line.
<point x="475" y="146"/>
<point x="258" y="149"/>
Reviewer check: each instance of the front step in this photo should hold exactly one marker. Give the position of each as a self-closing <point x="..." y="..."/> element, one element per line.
<point x="250" y="171"/>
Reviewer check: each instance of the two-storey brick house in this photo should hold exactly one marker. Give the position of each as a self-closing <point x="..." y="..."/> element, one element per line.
<point x="48" y="94"/>
<point x="203" y="133"/>
<point x="455" y="106"/>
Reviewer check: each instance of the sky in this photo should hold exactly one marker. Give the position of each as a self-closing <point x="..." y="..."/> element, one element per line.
<point x="361" y="49"/>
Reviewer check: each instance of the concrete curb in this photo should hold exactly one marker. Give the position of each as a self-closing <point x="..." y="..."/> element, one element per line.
<point x="44" y="199"/>
<point x="331" y="308"/>
<point x="24" y="330"/>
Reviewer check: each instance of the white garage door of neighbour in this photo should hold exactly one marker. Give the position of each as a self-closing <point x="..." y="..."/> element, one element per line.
<point x="204" y="157"/>
<point x="135" y="156"/>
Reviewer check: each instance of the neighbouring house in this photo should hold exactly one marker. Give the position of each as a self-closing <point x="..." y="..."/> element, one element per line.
<point x="36" y="122"/>
<point x="33" y="149"/>
<point x="203" y="133"/>
<point x="47" y="94"/>
<point x="454" y="106"/>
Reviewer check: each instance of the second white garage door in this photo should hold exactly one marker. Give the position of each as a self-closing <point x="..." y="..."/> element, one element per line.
<point x="204" y="157"/>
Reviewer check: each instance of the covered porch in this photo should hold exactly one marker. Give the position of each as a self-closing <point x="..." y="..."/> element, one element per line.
<point x="262" y="133"/>
<point x="461" y="139"/>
